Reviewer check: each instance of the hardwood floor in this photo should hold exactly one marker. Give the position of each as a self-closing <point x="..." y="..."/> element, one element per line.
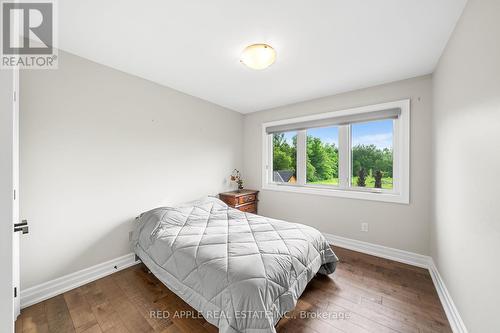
<point x="372" y="295"/>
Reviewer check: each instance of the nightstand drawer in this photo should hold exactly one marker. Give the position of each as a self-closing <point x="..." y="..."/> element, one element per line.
<point x="250" y="208"/>
<point x="246" y="198"/>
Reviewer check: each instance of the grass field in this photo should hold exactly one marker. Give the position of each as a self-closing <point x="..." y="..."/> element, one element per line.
<point x="370" y="182"/>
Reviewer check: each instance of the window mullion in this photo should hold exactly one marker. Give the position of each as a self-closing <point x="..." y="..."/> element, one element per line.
<point x="395" y="157"/>
<point x="301" y="157"/>
<point x="344" y="156"/>
<point x="270" y="155"/>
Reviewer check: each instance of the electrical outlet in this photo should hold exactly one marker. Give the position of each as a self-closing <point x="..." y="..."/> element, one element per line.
<point x="364" y="227"/>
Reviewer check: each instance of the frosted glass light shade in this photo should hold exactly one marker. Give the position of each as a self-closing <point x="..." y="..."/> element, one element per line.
<point x="258" y="56"/>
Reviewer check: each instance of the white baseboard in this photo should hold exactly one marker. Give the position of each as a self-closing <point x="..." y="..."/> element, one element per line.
<point x="456" y="322"/>
<point x="381" y="251"/>
<point x="60" y="285"/>
<point x="410" y="258"/>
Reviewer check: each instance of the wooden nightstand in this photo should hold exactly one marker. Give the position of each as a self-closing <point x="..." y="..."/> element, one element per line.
<point x="244" y="200"/>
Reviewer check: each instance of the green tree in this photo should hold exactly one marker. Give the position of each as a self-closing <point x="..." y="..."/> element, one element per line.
<point x="322" y="160"/>
<point x="378" y="179"/>
<point x="372" y="158"/>
<point x="281" y="160"/>
<point x="333" y="156"/>
<point x="284" y="154"/>
<point x="361" y="177"/>
<point x="310" y="171"/>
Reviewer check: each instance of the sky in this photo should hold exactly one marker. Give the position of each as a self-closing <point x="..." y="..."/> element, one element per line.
<point x="378" y="133"/>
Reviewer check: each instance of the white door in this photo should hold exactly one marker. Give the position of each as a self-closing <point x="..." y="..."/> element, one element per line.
<point x="15" y="196"/>
<point x="8" y="206"/>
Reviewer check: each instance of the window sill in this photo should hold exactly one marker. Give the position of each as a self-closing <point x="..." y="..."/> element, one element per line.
<point x="333" y="192"/>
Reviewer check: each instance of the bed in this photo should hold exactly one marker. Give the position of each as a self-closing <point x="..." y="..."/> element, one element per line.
<point x="241" y="271"/>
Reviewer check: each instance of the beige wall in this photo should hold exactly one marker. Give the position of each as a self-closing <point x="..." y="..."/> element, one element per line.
<point x="98" y="147"/>
<point x="466" y="127"/>
<point x="396" y="225"/>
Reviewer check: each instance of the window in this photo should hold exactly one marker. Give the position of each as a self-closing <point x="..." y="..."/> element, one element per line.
<point x="357" y="153"/>
<point x="371" y="151"/>
<point x="285" y="157"/>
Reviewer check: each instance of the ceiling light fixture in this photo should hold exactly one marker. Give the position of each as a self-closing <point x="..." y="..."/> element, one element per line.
<point x="258" y="56"/>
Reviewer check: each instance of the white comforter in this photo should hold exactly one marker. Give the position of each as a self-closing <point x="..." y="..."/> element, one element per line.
<point x="241" y="271"/>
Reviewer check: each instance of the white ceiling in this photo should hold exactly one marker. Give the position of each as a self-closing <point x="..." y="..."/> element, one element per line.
<point x="324" y="46"/>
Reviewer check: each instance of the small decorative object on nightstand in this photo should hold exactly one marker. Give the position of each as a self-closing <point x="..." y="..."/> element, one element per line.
<point x="236" y="177"/>
<point x="244" y="200"/>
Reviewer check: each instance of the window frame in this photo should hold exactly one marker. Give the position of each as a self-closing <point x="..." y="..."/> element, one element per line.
<point x="401" y="157"/>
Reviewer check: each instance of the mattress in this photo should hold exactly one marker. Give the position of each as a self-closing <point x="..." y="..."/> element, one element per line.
<point x="241" y="271"/>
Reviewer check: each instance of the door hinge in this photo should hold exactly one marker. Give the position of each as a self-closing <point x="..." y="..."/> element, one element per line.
<point x="23" y="227"/>
<point x="14" y="194"/>
<point x="15" y="292"/>
<point x="15" y="96"/>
